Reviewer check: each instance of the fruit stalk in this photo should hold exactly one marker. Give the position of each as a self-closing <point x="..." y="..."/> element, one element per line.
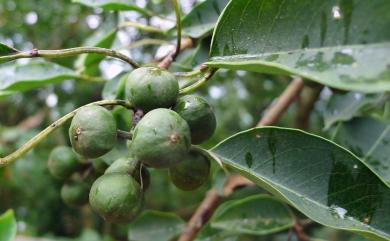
<point x="35" y="53"/>
<point x="54" y="126"/>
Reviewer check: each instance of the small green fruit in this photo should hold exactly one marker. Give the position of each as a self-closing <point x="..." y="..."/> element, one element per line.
<point x="132" y="167"/>
<point x="63" y="162"/>
<point x="199" y="116"/>
<point x="75" y="193"/>
<point x="93" y="131"/>
<point x="192" y="172"/>
<point x="116" y="197"/>
<point x="161" y="139"/>
<point x="150" y="88"/>
<point x="99" y="165"/>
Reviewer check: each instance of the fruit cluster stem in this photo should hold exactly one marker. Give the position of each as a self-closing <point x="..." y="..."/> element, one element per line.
<point x="35" y="53"/>
<point x="54" y="126"/>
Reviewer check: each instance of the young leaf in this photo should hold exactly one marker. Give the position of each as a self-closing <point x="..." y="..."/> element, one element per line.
<point x="371" y="142"/>
<point x="152" y="225"/>
<point x="256" y="215"/>
<point x="116" y="5"/>
<point x="202" y="18"/>
<point x="321" y="179"/>
<point x="7" y="226"/>
<point x="22" y="77"/>
<point x="343" y="107"/>
<point x="341" y="44"/>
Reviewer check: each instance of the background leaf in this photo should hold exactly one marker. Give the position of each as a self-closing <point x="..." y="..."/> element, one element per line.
<point x="369" y="139"/>
<point x="202" y="18"/>
<point x="7" y="226"/>
<point x="257" y="215"/>
<point x="152" y="225"/>
<point x="22" y="77"/>
<point x="343" y="44"/>
<point x="6" y="50"/>
<point x="343" y="107"/>
<point x="116" y="5"/>
<point x="114" y="88"/>
<point x="322" y="180"/>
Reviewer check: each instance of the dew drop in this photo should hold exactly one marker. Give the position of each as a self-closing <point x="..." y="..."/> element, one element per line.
<point x="336" y="12"/>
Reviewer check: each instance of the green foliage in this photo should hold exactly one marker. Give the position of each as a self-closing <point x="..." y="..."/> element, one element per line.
<point x="152" y="224"/>
<point x="328" y="42"/>
<point x="7" y="226"/>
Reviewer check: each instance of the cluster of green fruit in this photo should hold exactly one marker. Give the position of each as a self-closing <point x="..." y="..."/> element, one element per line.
<point x="162" y="138"/>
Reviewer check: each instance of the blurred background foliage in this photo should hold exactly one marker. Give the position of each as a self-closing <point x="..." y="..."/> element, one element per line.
<point x="239" y="99"/>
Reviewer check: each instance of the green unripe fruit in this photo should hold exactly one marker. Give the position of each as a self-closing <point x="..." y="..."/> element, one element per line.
<point x="116" y="197"/>
<point x="75" y="193"/>
<point x="192" y="172"/>
<point x="99" y="165"/>
<point x="150" y="88"/>
<point x="132" y="167"/>
<point x="199" y="116"/>
<point x="161" y="139"/>
<point x="93" y="131"/>
<point x="63" y="162"/>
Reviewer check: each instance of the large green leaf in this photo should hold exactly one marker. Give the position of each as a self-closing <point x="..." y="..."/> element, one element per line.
<point x="7" y="226"/>
<point x="369" y="139"/>
<point x="21" y="77"/>
<point x="321" y="179"/>
<point x="116" y="5"/>
<point x="341" y="43"/>
<point x="154" y="225"/>
<point x="343" y="107"/>
<point x="202" y="18"/>
<point x="256" y="215"/>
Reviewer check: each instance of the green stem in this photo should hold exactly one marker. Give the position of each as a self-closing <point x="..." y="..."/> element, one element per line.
<point x="69" y="52"/>
<point x="178" y="28"/>
<point x="199" y="83"/>
<point x="143" y="42"/>
<point x="55" y="125"/>
<point x="143" y="27"/>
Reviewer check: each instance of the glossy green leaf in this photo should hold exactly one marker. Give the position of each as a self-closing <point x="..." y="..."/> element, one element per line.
<point x="7" y="226"/>
<point x="103" y="38"/>
<point x="6" y="50"/>
<point x="256" y="215"/>
<point x="116" y="5"/>
<point x="370" y="140"/>
<point x="343" y="44"/>
<point x="321" y="179"/>
<point x="202" y="18"/>
<point x="343" y="107"/>
<point x="22" y="77"/>
<point x="114" y="88"/>
<point x="153" y="225"/>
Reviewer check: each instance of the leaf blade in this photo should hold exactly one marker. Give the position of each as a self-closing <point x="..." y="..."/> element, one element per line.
<point x="7" y="226"/>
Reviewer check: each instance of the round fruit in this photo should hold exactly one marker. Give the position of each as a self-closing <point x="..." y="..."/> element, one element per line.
<point x="75" y="193"/>
<point x="199" y="116"/>
<point x="99" y="165"/>
<point x="63" y="162"/>
<point x="161" y="139"/>
<point x="117" y="197"/>
<point x="92" y="131"/>
<point x="192" y="172"/>
<point x="131" y="166"/>
<point x="150" y="88"/>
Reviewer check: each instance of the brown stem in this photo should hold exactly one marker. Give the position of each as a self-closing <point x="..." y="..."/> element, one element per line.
<point x="167" y="61"/>
<point x="212" y="199"/>
<point x="283" y="102"/>
<point x="299" y="232"/>
<point x="308" y="98"/>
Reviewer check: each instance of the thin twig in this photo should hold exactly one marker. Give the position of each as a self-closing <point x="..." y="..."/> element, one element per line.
<point x="67" y="53"/>
<point x="124" y="134"/>
<point x="176" y="5"/>
<point x="308" y="98"/>
<point x="143" y="27"/>
<point x="199" y="83"/>
<point x="55" y="125"/>
<point x="167" y="61"/>
<point x="210" y="202"/>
